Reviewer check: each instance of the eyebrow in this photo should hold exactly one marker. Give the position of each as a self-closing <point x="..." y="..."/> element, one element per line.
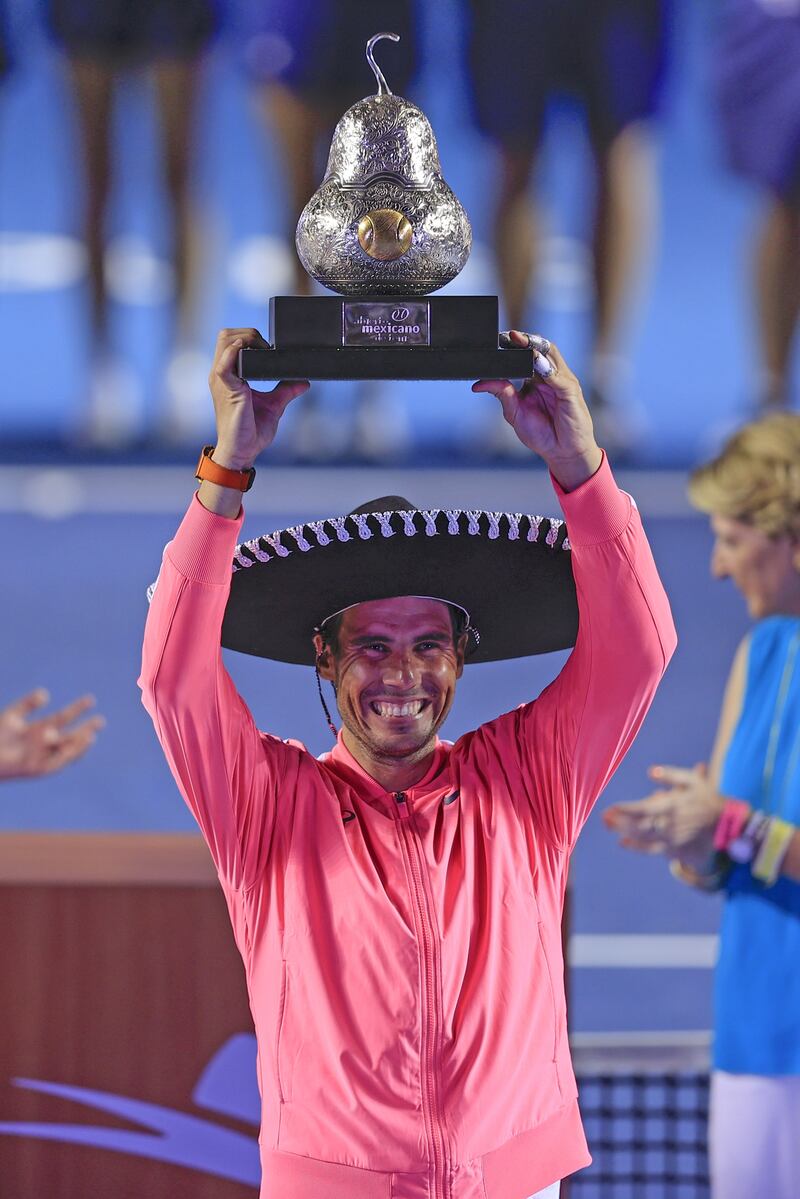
<point x="366" y="638"/>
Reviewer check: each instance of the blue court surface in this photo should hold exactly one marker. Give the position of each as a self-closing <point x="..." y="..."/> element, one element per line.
<point x="81" y="546"/>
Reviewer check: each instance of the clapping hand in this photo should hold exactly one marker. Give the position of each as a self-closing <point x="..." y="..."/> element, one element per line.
<point x="678" y="820"/>
<point x="29" y="748"/>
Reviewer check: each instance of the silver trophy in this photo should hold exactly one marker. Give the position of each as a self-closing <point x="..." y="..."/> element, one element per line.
<point x="383" y="220"/>
<point x="383" y="229"/>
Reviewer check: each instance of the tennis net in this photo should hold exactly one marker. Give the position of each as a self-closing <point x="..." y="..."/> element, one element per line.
<point x="644" y="1102"/>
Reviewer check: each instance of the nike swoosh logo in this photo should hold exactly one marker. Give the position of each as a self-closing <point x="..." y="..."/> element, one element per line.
<point x="165" y="1134"/>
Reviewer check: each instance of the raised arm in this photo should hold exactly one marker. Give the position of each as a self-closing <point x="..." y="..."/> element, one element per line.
<point x="225" y="768"/>
<point x="572" y="738"/>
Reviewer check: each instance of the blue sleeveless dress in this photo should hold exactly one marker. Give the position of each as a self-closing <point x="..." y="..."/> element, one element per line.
<point x="757" y="984"/>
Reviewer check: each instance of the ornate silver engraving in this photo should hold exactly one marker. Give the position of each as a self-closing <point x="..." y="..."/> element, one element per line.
<point x="383" y="156"/>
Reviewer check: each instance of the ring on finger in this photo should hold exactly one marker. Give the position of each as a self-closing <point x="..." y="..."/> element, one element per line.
<point x="543" y="366"/>
<point x="537" y="342"/>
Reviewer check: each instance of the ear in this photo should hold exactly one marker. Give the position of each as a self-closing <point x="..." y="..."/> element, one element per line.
<point x="324" y="659"/>
<point x="461" y="650"/>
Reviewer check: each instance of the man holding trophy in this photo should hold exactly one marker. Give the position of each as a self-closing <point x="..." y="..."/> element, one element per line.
<point x="397" y="902"/>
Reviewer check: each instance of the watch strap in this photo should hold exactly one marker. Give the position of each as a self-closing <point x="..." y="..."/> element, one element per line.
<point x="223" y="476"/>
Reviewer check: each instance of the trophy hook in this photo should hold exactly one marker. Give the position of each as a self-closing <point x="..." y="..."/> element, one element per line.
<point x="383" y="86"/>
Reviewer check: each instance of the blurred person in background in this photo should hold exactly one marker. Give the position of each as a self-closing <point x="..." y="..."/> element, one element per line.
<point x="104" y="40"/>
<point x="5" y="50"/>
<point x="756" y="66"/>
<point x="30" y="748"/>
<point x="308" y="58"/>
<point x="610" y="56"/>
<point x="736" y="827"/>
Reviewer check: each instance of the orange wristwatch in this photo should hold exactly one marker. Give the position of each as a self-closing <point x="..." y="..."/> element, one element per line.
<point x="212" y="472"/>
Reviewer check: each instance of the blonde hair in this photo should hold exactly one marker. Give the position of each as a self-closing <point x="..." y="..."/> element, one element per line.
<point x="756" y="477"/>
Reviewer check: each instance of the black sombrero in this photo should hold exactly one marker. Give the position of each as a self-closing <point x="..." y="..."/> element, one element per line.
<point x="511" y="572"/>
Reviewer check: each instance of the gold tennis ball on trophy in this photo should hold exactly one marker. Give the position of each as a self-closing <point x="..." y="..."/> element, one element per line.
<point x="385" y="234"/>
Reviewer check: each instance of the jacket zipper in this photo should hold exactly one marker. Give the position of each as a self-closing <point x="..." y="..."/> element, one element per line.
<point x="430" y="968"/>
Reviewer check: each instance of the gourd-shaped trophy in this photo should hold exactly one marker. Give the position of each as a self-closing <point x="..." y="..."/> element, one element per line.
<point x="384" y="230"/>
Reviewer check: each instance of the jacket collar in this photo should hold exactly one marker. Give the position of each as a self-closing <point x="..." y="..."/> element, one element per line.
<point x="342" y="762"/>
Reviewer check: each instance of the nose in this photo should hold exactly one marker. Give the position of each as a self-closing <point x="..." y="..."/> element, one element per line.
<point x="719" y="569"/>
<point x="399" y="671"/>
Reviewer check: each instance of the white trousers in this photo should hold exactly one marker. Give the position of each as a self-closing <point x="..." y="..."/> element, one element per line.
<point x="754" y="1136"/>
<point x="551" y="1192"/>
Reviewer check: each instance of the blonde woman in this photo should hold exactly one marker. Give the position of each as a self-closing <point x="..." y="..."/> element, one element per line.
<point x="734" y="825"/>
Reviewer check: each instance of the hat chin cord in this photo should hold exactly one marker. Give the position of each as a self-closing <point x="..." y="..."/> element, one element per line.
<point x="331" y="725"/>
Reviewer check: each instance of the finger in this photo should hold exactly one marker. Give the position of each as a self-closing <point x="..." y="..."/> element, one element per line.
<point x="247" y="335"/>
<point x="70" y="712"/>
<point x="506" y="393"/>
<point x="533" y="341"/>
<point x="281" y="395"/>
<point x="93" y="725"/>
<point x="287" y="390"/>
<point x="556" y="357"/>
<point x="28" y="703"/>
<point x="72" y="747"/>
<point x="645" y="846"/>
<point x="228" y="359"/>
<point x="494" y="386"/>
<point x="644" y="817"/>
<point x="673" y="776"/>
<point x="542" y="365"/>
<point x="53" y="737"/>
<point x="633" y="807"/>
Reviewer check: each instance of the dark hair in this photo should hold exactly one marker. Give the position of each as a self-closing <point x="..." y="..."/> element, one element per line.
<point x="330" y="630"/>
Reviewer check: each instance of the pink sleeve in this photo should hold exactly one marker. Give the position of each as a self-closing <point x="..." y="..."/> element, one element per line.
<point x="226" y="770"/>
<point x="569" y="741"/>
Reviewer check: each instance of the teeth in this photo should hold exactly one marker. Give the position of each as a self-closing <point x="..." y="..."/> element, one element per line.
<point x="410" y="709"/>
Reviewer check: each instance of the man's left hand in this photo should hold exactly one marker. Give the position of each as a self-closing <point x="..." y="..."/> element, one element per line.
<point x="678" y="821"/>
<point x="549" y="414"/>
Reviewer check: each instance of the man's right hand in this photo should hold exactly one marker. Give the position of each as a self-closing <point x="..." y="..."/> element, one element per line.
<point x="247" y="420"/>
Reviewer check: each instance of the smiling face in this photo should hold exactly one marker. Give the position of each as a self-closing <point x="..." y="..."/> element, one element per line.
<point x="394" y="666"/>
<point x="765" y="569"/>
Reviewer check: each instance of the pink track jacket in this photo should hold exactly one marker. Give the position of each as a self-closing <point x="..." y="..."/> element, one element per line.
<point x="403" y="951"/>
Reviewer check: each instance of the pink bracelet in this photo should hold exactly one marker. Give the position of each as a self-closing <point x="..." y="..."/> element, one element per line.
<point x="731" y="823"/>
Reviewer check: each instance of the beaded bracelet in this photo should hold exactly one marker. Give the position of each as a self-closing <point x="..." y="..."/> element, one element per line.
<point x="745" y="847"/>
<point x="774" y="845"/>
<point x="713" y="881"/>
<point x="731" y="823"/>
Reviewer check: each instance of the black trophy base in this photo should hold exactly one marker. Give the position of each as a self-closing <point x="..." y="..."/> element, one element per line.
<point x="384" y="337"/>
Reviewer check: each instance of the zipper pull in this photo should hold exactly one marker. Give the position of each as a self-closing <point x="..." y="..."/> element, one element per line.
<point x="401" y="799"/>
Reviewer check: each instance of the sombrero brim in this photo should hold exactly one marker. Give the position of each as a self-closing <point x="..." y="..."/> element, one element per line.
<point x="512" y="573"/>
